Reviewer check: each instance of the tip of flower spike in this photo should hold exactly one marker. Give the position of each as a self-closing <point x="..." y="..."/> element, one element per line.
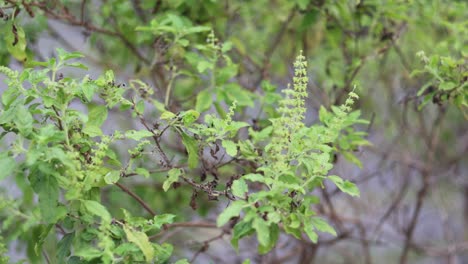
<point x="300" y="61"/>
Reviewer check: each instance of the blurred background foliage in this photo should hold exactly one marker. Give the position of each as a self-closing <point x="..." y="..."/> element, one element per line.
<point x="408" y="59"/>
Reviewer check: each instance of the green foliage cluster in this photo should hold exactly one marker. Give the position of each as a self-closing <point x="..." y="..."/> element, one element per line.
<point x="62" y="155"/>
<point x="448" y="81"/>
<point x="296" y="160"/>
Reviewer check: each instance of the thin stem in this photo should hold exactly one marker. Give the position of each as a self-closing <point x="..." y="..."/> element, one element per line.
<point x="136" y="197"/>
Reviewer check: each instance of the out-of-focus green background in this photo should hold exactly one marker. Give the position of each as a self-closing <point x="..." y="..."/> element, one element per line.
<point x="414" y="177"/>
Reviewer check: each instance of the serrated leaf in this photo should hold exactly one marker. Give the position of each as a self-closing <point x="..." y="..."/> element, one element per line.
<point x="87" y="253"/>
<point x="345" y="186"/>
<point x="322" y="225"/>
<point x="76" y="65"/>
<point x="231" y="147"/>
<point x="167" y="115"/>
<point x="190" y="116"/>
<point x="141" y="240"/>
<point x="160" y="220"/>
<point x="16" y="41"/>
<point x="447" y="86"/>
<point x="23" y="120"/>
<point x="173" y="176"/>
<point x="97" y="115"/>
<point x="92" y="131"/>
<point x="140" y="107"/>
<point x="263" y="232"/>
<point x="273" y="239"/>
<point x="142" y="171"/>
<point x="192" y="149"/>
<point x="97" y="209"/>
<point x="239" y="231"/>
<point x="64" y="247"/>
<point x="309" y="230"/>
<point x="204" y="101"/>
<point x="138" y="134"/>
<point x="46" y="186"/>
<point x="239" y="188"/>
<point x="64" y="56"/>
<point x="254" y="177"/>
<point x="112" y="177"/>
<point x="236" y="125"/>
<point x="232" y="210"/>
<point x="88" y="89"/>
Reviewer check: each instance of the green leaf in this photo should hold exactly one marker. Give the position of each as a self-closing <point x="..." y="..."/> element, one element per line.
<point x="7" y="165"/>
<point x="322" y="225"/>
<point x="141" y="240"/>
<point x="192" y="149"/>
<point x="274" y="233"/>
<point x="294" y="221"/>
<point x="39" y="241"/>
<point x="9" y="96"/>
<point x="263" y="232"/>
<point x="235" y="126"/>
<point x="140" y="107"/>
<point x="88" y="89"/>
<point x="231" y="211"/>
<point x="167" y="115"/>
<point x="254" y="177"/>
<point x="64" y="56"/>
<point x="64" y="247"/>
<point x="88" y="253"/>
<point x="203" y="65"/>
<point x="92" y="131"/>
<point x="77" y="65"/>
<point x="46" y="186"/>
<point x="97" y="209"/>
<point x="231" y="147"/>
<point x="112" y="177"/>
<point x="15" y="39"/>
<point x="190" y="116"/>
<point x="97" y="115"/>
<point x="23" y="120"/>
<point x="142" y="171"/>
<point x="345" y="186"/>
<point x="239" y="231"/>
<point x="204" y="101"/>
<point x="138" y="134"/>
<point x="160" y="220"/>
<point x="239" y="188"/>
<point x="173" y="176"/>
<point x="447" y="86"/>
<point x="309" y="230"/>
